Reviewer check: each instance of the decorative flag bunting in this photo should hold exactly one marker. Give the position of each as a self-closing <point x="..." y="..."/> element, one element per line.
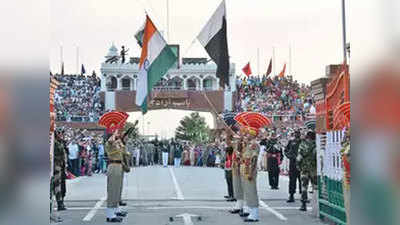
<point x="53" y="87"/>
<point x="213" y="38"/>
<point x="282" y="73"/>
<point x="247" y="70"/>
<point x="156" y="59"/>
<point x="269" y="70"/>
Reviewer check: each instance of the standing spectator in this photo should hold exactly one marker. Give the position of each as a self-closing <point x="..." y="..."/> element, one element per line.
<point x="228" y="173"/>
<point x="137" y="155"/>
<point x="177" y="154"/>
<point x="101" y="163"/>
<point x="73" y="157"/>
<point x="186" y="156"/>
<point x="164" y="150"/>
<point x="192" y="155"/>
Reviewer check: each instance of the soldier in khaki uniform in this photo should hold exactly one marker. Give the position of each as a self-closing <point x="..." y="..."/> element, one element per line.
<point x="248" y="172"/>
<point x="238" y="145"/>
<point x="115" y="150"/>
<point x="236" y="179"/>
<point x="126" y="164"/>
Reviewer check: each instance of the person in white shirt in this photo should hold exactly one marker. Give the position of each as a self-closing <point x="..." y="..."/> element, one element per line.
<point x="137" y="155"/>
<point x="73" y="157"/>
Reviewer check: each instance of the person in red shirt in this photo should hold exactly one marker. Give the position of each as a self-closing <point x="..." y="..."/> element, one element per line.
<point x="228" y="173"/>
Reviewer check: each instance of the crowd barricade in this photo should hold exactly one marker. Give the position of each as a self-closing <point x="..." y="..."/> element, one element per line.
<point x="330" y="175"/>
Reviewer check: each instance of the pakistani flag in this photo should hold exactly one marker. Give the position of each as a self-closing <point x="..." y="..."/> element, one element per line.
<point x="214" y="40"/>
<point x="156" y="59"/>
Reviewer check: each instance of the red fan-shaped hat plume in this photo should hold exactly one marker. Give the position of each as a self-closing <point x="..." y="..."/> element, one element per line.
<point x="113" y="120"/>
<point x="252" y="119"/>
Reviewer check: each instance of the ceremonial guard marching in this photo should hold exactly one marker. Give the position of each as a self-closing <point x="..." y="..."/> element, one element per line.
<point x="291" y="152"/>
<point x="307" y="163"/>
<point x="248" y="171"/>
<point x="115" y="150"/>
<point x="236" y="178"/>
<point x="274" y="159"/>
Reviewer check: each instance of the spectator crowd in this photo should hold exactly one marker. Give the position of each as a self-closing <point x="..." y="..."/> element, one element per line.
<point x="278" y="98"/>
<point x="77" y="98"/>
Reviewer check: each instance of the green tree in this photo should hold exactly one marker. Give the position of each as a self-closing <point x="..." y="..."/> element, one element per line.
<point x="193" y="128"/>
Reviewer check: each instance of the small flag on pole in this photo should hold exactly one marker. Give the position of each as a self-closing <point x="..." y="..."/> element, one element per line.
<point x="269" y="70"/>
<point x="139" y="35"/>
<point x="282" y="73"/>
<point x="247" y="70"/>
<point x="83" y="71"/>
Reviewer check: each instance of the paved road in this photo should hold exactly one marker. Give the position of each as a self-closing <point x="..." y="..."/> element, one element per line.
<point x="156" y="194"/>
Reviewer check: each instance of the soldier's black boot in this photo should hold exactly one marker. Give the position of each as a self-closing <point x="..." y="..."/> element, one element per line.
<point x="291" y="198"/>
<point x="61" y="206"/>
<point x="303" y="206"/>
<point x="121" y="203"/>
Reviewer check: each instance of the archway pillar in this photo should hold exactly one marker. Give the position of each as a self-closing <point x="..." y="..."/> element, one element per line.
<point x="119" y="84"/>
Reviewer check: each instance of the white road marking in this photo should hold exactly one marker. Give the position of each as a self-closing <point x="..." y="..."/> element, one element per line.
<point x="179" y="194"/>
<point x="187" y="218"/>
<point x="179" y="207"/>
<point x="93" y="211"/>
<point x="189" y="207"/>
<point x="75" y="180"/>
<point x="271" y="210"/>
<point x="286" y="208"/>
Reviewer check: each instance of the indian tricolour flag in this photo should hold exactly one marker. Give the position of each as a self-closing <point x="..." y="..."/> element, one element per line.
<point x="156" y="59"/>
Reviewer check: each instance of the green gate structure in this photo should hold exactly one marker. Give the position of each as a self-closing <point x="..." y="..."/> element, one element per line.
<point x="330" y="176"/>
<point x="330" y="93"/>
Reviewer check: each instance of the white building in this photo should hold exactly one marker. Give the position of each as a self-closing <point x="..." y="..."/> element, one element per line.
<point x="196" y="74"/>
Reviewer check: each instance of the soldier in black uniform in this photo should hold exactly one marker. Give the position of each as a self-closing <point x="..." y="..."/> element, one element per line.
<point x="274" y="158"/>
<point x="291" y="152"/>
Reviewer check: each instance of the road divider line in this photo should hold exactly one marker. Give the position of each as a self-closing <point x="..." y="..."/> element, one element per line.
<point x="93" y="211"/>
<point x="271" y="210"/>
<point x="179" y="194"/>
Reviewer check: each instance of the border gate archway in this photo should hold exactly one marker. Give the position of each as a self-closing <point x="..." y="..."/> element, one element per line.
<point x="191" y="85"/>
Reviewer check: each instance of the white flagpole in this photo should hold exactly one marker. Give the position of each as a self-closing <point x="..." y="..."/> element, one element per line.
<point x="77" y="59"/>
<point x="168" y="38"/>
<point x="273" y="60"/>
<point x="258" y="62"/>
<point x="290" y="60"/>
<point x="61" y="55"/>
<point x="344" y="30"/>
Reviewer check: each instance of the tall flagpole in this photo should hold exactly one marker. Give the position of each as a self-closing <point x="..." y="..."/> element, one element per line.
<point x="290" y="60"/>
<point x="168" y="38"/>
<point x="77" y="59"/>
<point x="258" y="61"/>
<point x="344" y="30"/>
<point x="273" y="60"/>
<point x="61" y="56"/>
